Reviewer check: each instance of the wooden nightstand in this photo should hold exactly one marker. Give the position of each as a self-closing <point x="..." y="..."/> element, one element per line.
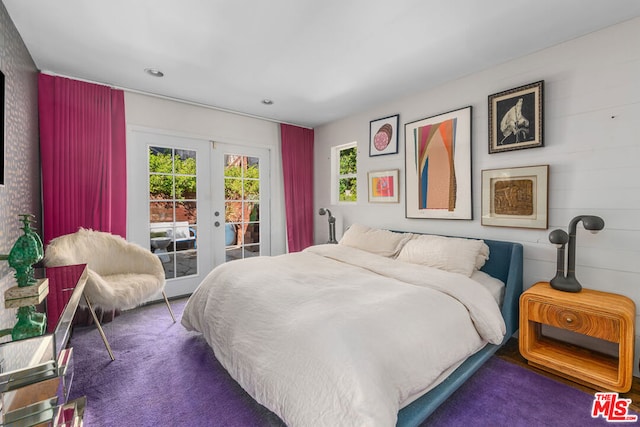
<point x="602" y="315"/>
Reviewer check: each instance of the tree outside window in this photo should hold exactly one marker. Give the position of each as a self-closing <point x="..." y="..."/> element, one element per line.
<point x="347" y="173"/>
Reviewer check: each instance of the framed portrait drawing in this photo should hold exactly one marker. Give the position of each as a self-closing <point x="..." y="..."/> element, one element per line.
<point x="516" y="118"/>
<point x="438" y="166"/>
<point x="383" y="136"/>
<point x="383" y="186"/>
<point x="516" y="197"/>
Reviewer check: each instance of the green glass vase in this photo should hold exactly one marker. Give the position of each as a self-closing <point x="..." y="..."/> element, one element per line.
<point x="27" y="251"/>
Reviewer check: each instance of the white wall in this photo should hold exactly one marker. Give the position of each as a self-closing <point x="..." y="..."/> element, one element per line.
<point x="181" y="119"/>
<point x="591" y="138"/>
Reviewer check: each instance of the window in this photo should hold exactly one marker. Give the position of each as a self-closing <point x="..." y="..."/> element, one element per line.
<point x="173" y="209"/>
<point x="242" y="206"/>
<point x="344" y="167"/>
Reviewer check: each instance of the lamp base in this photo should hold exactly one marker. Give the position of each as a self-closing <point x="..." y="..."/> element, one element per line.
<point x="565" y="284"/>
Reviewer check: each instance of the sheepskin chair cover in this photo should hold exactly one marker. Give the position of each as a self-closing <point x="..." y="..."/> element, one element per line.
<point x="121" y="275"/>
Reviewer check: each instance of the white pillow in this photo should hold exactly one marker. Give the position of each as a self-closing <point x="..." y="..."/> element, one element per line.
<point x="453" y="254"/>
<point x="381" y="242"/>
<point x="490" y="283"/>
<point x="483" y="256"/>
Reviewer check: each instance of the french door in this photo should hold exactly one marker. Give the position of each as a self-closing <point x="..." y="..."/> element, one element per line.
<point x="196" y="205"/>
<point x="241" y="214"/>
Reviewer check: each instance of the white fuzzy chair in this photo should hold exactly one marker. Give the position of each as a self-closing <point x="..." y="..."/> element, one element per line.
<point x="121" y="275"/>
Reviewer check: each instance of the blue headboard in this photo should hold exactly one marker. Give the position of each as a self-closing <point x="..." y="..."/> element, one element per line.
<point x="505" y="263"/>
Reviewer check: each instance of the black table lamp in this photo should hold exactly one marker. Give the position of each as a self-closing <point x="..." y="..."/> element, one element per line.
<point x="332" y="225"/>
<point x="568" y="282"/>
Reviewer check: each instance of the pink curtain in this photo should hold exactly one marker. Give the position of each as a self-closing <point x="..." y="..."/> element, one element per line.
<point x="297" y="167"/>
<point x="83" y="157"/>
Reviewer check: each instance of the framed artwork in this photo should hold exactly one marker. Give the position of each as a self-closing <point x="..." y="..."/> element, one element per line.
<point x="383" y="136"/>
<point x="516" y="197"/>
<point x="438" y="166"/>
<point x="516" y="119"/>
<point x="383" y="186"/>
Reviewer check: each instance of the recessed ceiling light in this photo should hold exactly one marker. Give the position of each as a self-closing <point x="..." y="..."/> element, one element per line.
<point x="267" y="102"/>
<point x="154" y="72"/>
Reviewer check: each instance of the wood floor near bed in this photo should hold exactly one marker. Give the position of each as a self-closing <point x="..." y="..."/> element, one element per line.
<point x="511" y="353"/>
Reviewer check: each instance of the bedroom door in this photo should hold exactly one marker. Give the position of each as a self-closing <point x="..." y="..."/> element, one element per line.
<point x="169" y="205"/>
<point x="241" y="208"/>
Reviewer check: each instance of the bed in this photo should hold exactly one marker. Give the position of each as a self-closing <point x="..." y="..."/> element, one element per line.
<point x="378" y="330"/>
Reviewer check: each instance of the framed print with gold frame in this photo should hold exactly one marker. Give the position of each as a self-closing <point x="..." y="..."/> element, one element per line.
<point x="516" y="197"/>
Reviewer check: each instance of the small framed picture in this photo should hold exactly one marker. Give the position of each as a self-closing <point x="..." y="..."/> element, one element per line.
<point x="516" y="118"/>
<point x="383" y="186"/>
<point x="516" y="197"/>
<point x="383" y="136"/>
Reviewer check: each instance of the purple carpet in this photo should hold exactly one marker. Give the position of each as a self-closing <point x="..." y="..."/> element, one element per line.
<point x="166" y="376"/>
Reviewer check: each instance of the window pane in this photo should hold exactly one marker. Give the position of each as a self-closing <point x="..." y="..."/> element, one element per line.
<point x="160" y="245"/>
<point x="233" y="253"/>
<point x="168" y="264"/>
<point x="252" y="235"/>
<point x="161" y="187"/>
<point x="185" y="187"/>
<point x="251" y="189"/>
<point x="348" y="158"/>
<point x="233" y="212"/>
<point x="230" y="237"/>
<point x="186" y="211"/>
<point x="186" y="263"/>
<point x="160" y="212"/>
<point x="253" y="167"/>
<point x="233" y="165"/>
<point x="160" y="160"/>
<point x="233" y="189"/>
<point x="255" y="213"/>
<point x="348" y="192"/>
<point x="185" y="162"/>
<point x="251" y="251"/>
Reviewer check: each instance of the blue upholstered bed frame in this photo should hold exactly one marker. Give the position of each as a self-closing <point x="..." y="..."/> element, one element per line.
<point x="505" y="263"/>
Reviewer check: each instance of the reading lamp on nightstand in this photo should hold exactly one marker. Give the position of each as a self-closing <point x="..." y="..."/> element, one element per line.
<point x="332" y="225"/>
<point x="568" y="282"/>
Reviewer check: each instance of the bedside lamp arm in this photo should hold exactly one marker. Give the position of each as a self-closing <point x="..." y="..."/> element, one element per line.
<point x="591" y="223"/>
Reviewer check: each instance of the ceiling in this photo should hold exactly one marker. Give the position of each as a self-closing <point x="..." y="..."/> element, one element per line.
<point x="317" y="60"/>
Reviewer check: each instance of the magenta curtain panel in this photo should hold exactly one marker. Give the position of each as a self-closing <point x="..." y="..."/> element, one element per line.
<point x="83" y="157"/>
<point x="297" y="168"/>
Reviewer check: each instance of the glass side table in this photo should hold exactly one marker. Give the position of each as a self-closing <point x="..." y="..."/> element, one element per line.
<point x="36" y="372"/>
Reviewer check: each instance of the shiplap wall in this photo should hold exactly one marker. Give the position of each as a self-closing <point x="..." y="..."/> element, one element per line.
<point x="592" y="145"/>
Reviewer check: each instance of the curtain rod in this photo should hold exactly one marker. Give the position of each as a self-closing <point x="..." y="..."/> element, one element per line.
<point x="169" y="98"/>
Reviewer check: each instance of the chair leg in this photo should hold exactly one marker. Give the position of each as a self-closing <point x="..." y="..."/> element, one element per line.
<point x="95" y="319"/>
<point x="166" y="300"/>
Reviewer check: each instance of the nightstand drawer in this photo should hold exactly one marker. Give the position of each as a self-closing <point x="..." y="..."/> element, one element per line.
<point x="602" y="327"/>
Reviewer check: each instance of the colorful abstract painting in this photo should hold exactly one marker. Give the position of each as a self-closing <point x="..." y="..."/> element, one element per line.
<point x="438" y="166"/>
<point x="383" y="186"/>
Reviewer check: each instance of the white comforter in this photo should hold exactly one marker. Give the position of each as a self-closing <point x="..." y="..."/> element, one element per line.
<point x="335" y="336"/>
